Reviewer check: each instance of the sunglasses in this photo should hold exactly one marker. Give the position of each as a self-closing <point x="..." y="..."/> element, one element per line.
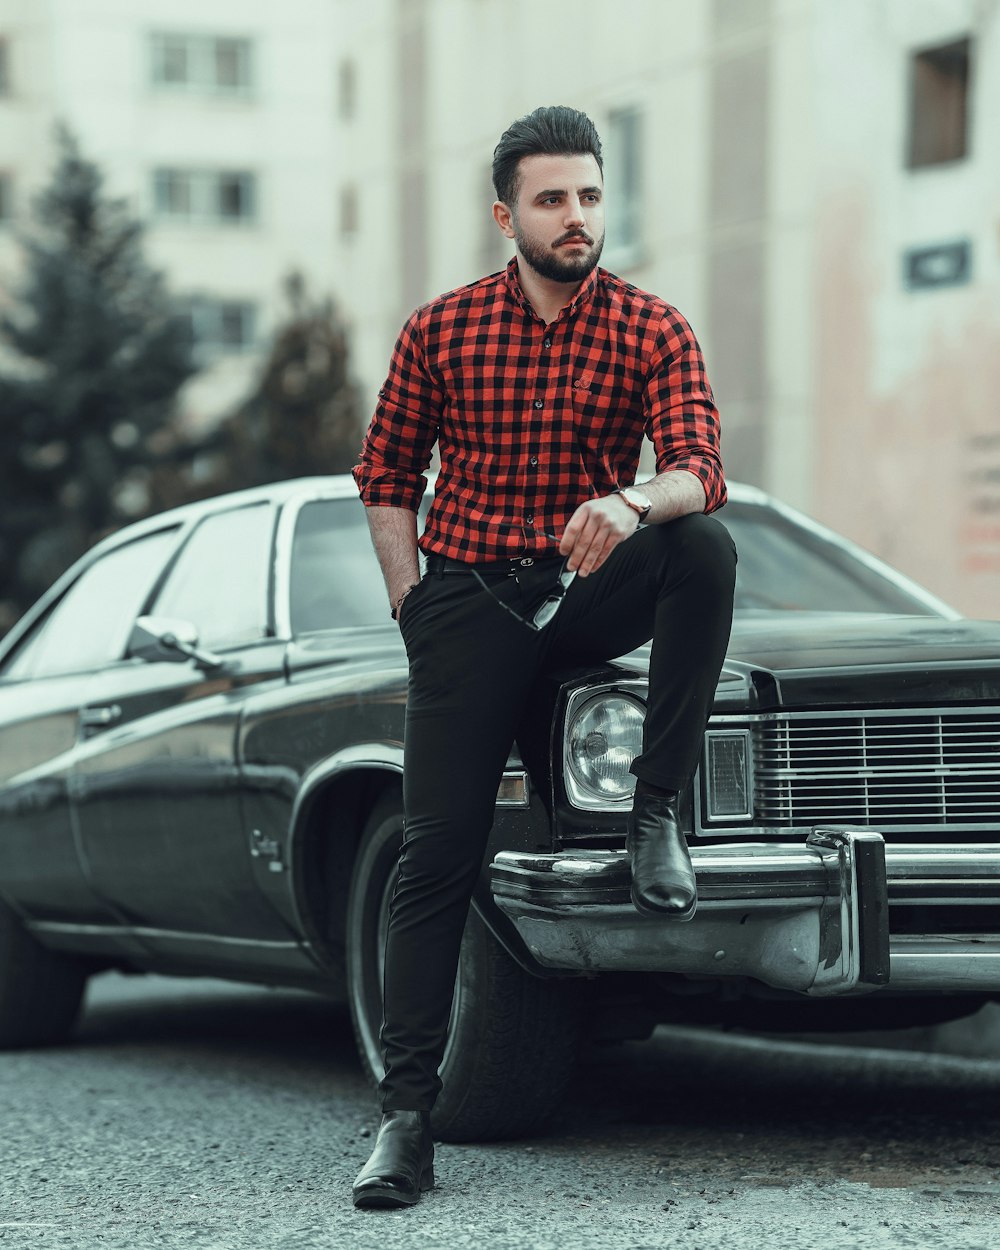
<point x="550" y="605"/>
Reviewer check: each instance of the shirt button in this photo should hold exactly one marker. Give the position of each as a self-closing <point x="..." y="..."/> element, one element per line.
<point x="533" y="460"/>
<point x="538" y="403"/>
<point x="530" y="518"/>
<point x="547" y="342"/>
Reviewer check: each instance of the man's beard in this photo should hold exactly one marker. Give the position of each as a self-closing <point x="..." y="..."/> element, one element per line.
<point x="549" y="262"/>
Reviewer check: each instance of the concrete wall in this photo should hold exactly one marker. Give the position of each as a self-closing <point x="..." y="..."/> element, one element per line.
<point x="706" y="199"/>
<point x="776" y="211"/>
<point x="906" y="411"/>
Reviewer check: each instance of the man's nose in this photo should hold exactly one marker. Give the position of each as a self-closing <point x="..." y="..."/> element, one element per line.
<point x="574" y="213"/>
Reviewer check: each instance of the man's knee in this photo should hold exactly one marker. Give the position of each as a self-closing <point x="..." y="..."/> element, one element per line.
<point x="701" y="542"/>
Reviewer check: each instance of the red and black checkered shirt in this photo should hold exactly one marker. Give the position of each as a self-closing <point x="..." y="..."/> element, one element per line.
<point x="532" y="419"/>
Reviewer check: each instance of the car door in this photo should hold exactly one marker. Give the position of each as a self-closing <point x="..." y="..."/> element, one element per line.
<point x="330" y="601"/>
<point x="53" y="671"/>
<point x="156" y="789"/>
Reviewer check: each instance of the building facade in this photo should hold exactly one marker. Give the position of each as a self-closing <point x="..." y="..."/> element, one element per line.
<point x="905" y="314"/>
<point x="814" y="185"/>
<point x="692" y="101"/>
<point x="215" y="120"/>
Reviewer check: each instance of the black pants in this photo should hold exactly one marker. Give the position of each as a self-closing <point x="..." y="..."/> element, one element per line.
<point x="472" y="667"/>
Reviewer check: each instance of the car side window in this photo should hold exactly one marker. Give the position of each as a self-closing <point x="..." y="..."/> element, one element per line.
<point x="90" y="625"/>
<point x="220" y="580"/>
<point x="335" y="579"/>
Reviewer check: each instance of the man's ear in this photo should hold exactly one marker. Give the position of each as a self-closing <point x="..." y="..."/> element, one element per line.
<point x="504" y="218"/>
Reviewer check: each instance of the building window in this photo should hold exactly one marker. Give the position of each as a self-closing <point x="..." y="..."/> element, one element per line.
<point x="236" y="197"/>
<point x="202" y="63"/>
<point x="623" y="183"/>
<point x="939" y="105"/>
<point x="4" y="67"/>
<point x="348" y="211"/>
<point x="347" y="89"/>
<point x="232" y="64"/>
<point x="6" y="199"/>
<point x="208" y="196"/>
<point x="217" y="327"/>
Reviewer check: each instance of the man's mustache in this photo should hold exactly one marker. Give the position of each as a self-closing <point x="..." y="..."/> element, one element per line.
<point x="575" y="234"/>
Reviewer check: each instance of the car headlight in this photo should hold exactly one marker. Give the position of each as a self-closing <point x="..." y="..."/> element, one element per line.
<point x="603" y="737"/>
<point x="728" y="775"/>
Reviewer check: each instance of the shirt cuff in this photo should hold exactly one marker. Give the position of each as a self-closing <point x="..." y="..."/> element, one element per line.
<point x="389" y="490"/>
<point x="706" y="470"/>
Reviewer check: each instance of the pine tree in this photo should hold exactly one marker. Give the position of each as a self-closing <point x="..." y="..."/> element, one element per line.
<point x="302" y="418"/>
<point x="91" y="360"/>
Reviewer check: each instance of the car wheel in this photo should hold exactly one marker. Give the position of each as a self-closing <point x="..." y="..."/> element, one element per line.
<point x="40" y="990"/>
<point x="512" y="1038"/>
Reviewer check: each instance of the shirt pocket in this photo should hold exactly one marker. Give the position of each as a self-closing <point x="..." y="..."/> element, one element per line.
<point x="607" y="426"/>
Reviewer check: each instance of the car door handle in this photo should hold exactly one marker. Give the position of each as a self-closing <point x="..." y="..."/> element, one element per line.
<point x="100" y="717"/>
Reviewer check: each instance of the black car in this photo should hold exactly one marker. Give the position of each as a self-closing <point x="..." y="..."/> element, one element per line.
<point x="200" y="745"/>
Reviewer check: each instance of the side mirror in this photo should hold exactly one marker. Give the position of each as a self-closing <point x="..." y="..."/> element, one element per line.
<point x="158" y="638"/>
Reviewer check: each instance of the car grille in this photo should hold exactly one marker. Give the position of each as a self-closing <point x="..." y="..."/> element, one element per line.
<point x="920" y="769"/>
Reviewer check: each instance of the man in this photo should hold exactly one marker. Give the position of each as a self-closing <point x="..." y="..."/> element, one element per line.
<point x="537" y="385"/>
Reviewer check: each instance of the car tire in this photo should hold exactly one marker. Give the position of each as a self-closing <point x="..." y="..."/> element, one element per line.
<point x="513" y="1037"/>
<point x="40" y="990"/>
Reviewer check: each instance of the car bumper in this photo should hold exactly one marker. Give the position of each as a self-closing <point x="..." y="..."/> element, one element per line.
<point x="812" y="917"/>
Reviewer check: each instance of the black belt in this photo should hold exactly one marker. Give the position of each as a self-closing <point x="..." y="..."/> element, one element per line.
<point x="498" y="568"/>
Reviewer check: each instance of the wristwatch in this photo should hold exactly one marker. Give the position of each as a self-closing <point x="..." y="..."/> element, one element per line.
<point x="636" y="500"/>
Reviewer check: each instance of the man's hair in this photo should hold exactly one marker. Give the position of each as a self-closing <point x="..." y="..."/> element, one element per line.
<point x="550" y="131"/>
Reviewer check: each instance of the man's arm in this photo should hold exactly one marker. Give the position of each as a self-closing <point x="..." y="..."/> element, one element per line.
<point x="394" y="455"/>
<point x="682" y="422"/>
<point x="599" y="525"/>
<point x="673" y="493"/>
<point x="394" y="537"/>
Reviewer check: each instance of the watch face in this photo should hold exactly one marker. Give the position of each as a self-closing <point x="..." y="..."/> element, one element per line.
<point x="637" y="499"/>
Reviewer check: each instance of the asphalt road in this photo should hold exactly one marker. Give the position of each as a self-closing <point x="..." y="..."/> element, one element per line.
<point x="197" y="1114"/>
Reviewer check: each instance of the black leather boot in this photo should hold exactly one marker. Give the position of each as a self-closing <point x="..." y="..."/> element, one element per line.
<point x="401" y="1166"/>
<point x="663" y="880"/>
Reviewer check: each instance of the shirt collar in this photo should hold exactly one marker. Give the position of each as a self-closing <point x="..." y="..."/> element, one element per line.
<point x="582" y="297"/>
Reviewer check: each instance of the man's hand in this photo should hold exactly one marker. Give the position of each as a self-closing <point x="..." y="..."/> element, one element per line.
<point x="398" y="593"/>
<point x="595" y="529"/>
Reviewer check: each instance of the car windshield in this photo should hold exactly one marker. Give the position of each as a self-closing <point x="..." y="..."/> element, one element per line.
<point x="336" y="581"/>
<point x="788" y="567"/>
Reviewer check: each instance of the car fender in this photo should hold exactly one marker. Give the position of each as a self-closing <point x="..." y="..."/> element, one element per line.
<point x="362" y="764"/>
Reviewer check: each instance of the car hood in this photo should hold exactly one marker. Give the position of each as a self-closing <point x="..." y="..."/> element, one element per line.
<point x="786" y="659"/>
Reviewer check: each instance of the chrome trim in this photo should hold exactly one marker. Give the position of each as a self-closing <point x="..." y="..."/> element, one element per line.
<point x="951" y="748"/>
<point x="847" y="943"/>
<point x="146" y="931"/>
<point x="520" y="785"/>
<point x="811" y="917"/>
<point x="634" y="688"/>
<point x="958" y="961"/>
<point x="387" y="756"/>
<point x="743" y="718"/>
<point x="384" y="755"/>
<point x="729" y="817"/>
